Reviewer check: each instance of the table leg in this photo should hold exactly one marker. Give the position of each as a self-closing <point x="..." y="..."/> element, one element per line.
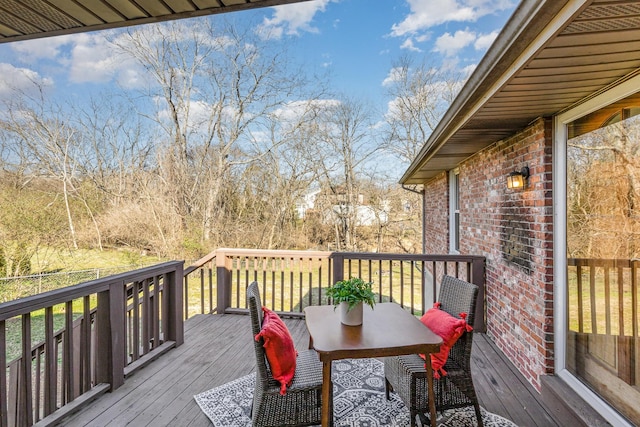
<point x="327" y="395"/>
<point x="432" y="400"/>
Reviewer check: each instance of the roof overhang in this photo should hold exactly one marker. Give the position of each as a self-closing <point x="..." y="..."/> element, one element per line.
<point x="30" y="19"/>
<point x="550" y="56"/>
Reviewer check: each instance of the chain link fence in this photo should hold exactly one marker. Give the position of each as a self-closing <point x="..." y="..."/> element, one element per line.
<point x="12" y="288"/>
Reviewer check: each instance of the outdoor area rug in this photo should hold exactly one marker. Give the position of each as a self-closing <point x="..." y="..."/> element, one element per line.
<point x="359" y="399"/>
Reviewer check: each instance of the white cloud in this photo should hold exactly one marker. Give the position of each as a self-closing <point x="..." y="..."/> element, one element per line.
<point x="450" y="44"/>
<point x="92" y="59"/>
<point x="45" y="48"/>
<point x="197" y="112"/>
<point x="428" y="13"/>
<point x="408" y="44"/>
<point x="291" y="19"/>
<point x="131" y="78"/>
<point x="85" y="58"/>
<point x="450" y="64"/>
<point x="485" y="40"/>
<point x="20" y="79"/>
<point x="395" y="74"/>
<point x="425" y="14"/>
<point x="468" y="70"/>
<point x="294" y="110"/>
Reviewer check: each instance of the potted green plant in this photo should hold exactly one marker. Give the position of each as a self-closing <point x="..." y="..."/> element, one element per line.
<point x="350" y="295"/>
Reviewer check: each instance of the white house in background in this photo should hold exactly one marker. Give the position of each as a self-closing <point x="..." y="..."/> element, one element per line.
<point x="307" y="202"/>
<point x="366" y="215"/>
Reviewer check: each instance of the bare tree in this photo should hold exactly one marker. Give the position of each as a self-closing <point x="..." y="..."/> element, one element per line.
<point x="218" y="87"/>
<point x="46" y="145"/>
<point x="343" y="145"/>
<point x="420" y="94"/>
<point x="603" y="191"/>
<point x="115" y="151"/>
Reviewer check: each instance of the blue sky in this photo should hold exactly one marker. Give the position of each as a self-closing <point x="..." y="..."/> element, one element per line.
<point x="355" y="40"/>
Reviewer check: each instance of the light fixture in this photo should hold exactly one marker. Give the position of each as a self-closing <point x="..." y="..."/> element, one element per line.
<point x="518" y="179"/>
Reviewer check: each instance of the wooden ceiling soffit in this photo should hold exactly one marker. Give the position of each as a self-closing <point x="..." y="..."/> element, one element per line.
<point x="30" y="19"/>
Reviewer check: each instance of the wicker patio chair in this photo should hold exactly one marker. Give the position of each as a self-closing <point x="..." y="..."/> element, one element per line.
<point x="302" y="404"/>
<point x="407" y="375"/>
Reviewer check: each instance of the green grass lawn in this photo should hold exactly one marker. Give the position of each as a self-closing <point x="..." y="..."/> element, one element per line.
<point x="617" y="312"/>
<point x="14" y="328"/>
<point x="48" y="259"/>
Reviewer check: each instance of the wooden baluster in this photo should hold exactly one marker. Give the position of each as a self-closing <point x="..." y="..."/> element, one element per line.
<point x="25" y="407"/>
<point x="4" y="395"/>
<point x="51" y="364"/>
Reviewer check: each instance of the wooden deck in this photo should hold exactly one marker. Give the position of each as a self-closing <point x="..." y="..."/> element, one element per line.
<point x="218" y="349"/>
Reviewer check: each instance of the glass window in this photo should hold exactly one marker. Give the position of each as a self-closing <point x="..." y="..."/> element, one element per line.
<point x="603" y="253"/>
<point x="454" y="209"/>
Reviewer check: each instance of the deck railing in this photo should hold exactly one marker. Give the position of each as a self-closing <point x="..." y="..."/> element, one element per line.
<point x="292" y="280"/>
<point x="90" y="336"/>
<point x="604" y="298"/>
<point x="81" y="341"/>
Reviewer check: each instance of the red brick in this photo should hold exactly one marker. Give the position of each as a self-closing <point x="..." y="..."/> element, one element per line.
<point x="493" y="219"/>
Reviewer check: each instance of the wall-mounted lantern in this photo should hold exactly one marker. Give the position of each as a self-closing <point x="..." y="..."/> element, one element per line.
<point x="518" y="179"/>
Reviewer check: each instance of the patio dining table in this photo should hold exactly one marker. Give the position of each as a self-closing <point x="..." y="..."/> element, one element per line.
<point x="386" y="330"/>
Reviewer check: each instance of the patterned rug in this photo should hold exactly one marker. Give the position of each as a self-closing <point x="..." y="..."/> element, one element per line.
<point x="358" y="400"/>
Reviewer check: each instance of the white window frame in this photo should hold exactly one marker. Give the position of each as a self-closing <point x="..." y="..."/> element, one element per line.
<point x="454" y="208"/>
<point x="561" y="121"/>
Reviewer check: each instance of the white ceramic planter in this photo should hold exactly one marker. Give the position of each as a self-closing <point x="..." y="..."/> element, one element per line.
<point x="351" y="317"/>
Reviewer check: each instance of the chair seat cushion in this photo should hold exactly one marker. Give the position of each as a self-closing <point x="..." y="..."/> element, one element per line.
<point x="279" y="348"/>
<point x="449" y="329"/>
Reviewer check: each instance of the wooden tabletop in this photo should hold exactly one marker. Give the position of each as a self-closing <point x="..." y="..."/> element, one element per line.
<point x="387" y="330"/>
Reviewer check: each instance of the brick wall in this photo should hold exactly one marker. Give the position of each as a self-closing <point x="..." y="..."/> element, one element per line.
<point x="436" y="215"/>
<point x="513" y="230"/>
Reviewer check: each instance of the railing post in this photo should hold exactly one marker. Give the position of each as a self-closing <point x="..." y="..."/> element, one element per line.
<point x="175" y="325"/>
<point x="25" y="384"/>
<point x="338" y="266"/>
<point x="4" y="395"/>
<point x="223" y="277"/>
<point x="110" y="336"/>
<point x="478" y="273"/>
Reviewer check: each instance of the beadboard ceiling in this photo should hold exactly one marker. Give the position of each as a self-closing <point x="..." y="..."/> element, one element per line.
<point x="29" y="19"/>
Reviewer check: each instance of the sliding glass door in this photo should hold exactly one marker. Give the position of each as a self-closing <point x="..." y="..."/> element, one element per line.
<point x="602" y="295"/>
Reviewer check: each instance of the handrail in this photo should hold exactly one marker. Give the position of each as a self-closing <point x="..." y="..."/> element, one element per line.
<point x="199" y="263"/>
<point x="293" y="279"/>
<point x="32" y="303"/>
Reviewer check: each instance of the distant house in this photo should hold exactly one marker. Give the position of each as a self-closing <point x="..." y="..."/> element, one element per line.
<point x="555" y="102"/>
<point x="307" y="203"/>
<point x="335" y="208"/>
<point x="369" y="216"/>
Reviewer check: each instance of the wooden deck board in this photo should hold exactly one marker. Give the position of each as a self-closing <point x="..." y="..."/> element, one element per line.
<point x="501" y="387"/>
<point x="218" y="349"/>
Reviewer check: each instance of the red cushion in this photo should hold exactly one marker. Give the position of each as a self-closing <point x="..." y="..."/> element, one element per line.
<point x="449" y="329"/>
<point x="278" y="345"/>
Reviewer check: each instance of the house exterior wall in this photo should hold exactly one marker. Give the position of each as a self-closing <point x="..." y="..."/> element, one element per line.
<point x="436" y="215"/>
<point x="513" y="229"/>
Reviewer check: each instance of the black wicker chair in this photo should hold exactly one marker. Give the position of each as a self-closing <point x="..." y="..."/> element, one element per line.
<point x="302" y="404"/>
<point x="407" y="375"/>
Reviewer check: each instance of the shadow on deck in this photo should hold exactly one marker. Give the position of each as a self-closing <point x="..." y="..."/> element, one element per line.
<point x="218" y="349"/>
